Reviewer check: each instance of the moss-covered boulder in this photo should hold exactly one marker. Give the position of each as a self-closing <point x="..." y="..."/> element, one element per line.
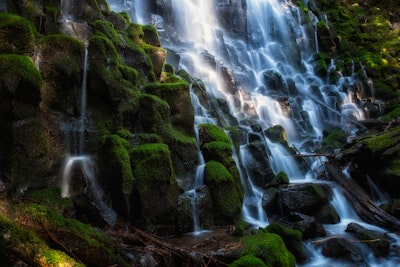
<point x="376" y="156"/>
<point x="156" y="184"/>
<point x="268" y="247"/>
<point x="17" y="35"/>
<point x="217" y="149"/>
<point x="177" y="95"/>
<point x="292" y="239"/>
<point x="21" y="245"/>
<point x="116" y="171"/>
<point x="226" y="198"/>
<point x="62" y="72"/>
<point x="71" y="235"/>
<point x="248" y="261"/>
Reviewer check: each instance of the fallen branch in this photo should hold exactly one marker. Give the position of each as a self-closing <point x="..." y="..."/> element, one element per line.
<point x="320" y="241"/>
<point x="161" y="248"/>
<point x="58" y="242"/>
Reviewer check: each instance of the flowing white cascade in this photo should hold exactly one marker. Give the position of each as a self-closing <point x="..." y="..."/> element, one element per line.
<point x="274" y="41"/>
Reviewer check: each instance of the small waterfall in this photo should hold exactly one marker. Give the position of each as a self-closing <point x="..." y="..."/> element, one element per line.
<point x="377" y="195"/>
<point x="78" y="161"/>
<point x="253" y="211"/>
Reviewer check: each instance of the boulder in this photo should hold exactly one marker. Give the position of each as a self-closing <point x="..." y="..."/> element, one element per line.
<point x="340" y="248"/>
<point x="377" y="242"/>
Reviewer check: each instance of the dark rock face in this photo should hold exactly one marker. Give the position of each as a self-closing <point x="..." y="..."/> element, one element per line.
<point x="232" y="16"/>
<point x="340" y="248"/>
<point x="309" y="199"/>
<point x="379" y="243"/>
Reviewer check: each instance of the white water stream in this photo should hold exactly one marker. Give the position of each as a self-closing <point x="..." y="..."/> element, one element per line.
<point x="276" y="42"/>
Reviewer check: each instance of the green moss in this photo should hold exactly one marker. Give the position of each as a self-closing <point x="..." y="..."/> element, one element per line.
<point x="148" y="155"/>
<point x="270" y="248"/>
<point x="96" y="243"/>
<point x="332" y="139"/>
<point x="218" y="151"/>
<point x="18" y="241"/>
<point x="248" y="261"/>
<point x="280" y="179"/>
<point x="104" y="50"/>
<point x="51" y="198"/>
<point x="214" y="133"/>
<point x="379" y="143"/>
<point x="17" y="34"/>
<point x="240" y="228"/>
<point x="292" y="239"/>
<point x="20" y="75"/>
<point x="107" y="28"/>
<point x="216" y="173"/>
<point x="227" y="199"/>
<point x="393" y="114"/>
<point x="118" y="159"/>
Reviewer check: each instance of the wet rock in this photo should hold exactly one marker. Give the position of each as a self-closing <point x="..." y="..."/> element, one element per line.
<point x="340" y="248"/>
<point x="257" y="164"/>
<point x="310" y="227"/>
<point x="377" y="242"/>
<point x="309" y="199"/>
<point x="292" y="239"/>
<point x="275" y="83"/>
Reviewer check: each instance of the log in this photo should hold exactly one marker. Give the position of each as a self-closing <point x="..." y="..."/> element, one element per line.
<point x="365" y="208"/>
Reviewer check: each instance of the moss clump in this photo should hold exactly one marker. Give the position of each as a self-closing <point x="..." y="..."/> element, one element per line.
<point x="280" y="179"/>
<point x="292" y="239"/>
<point x="216" y="173"/>
<point x="268" y="247"/>
<point x="18" y="243"/>
<point x="17" y="35"/>
<point x="154" y="176"/>
<point x="20" y="76"/>
<point x="226" y="197"/>
<point x="51" y="198"/>
<point x="240" y="228"/>
<point x="332" y="139"/>
<point x="210" y="132"/>
<point x="218" y="151"/>
<point x="106" y="28"/>
<point x="116" y="149"/>
<point x="177" y="96"/>
<point x="248" y="261"/>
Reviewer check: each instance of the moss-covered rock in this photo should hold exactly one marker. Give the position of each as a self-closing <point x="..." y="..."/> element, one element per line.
<point x="292" y="239"/>
<point x="62" y="72"/>
<point x="268" y="247"/>
<point x="177" y="96"/>
<point x="17" y="35"/>
<point x="210" y="132"/>
<point x="248" y="261"/>
<point x="376" y="156"/>
<point x="365" y="32"/>
<point x="155" y="178"/>
<point x="116" y="171"/>
<point x="89" y="245"/>
<point x="21" y="245"/>
<point x="227" y="199"/>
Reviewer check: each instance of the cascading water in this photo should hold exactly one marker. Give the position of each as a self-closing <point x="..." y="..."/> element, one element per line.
<point x="259" y="62"/>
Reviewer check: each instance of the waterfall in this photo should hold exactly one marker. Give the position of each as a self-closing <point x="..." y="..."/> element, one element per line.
<point x="264" y="72"/>
<point x="84" y="164"/>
